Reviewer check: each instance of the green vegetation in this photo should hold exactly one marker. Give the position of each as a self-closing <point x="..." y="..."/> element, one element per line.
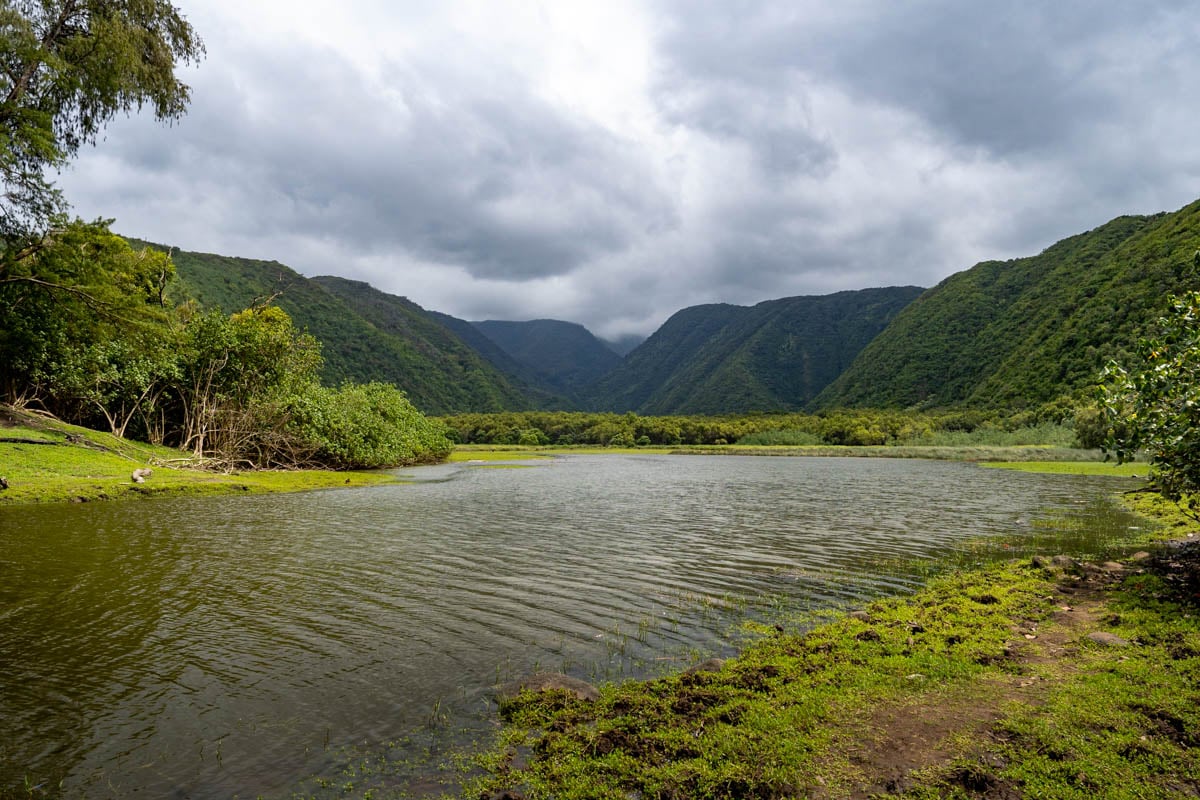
<point x="89" y="329"/>
<point x="1154" y="405"/>
<point x="1102" y="468"/>
<point x="1028" y="331"/>
<point x="861" y="428"/>
<point x="564" y="357"/>
<point x="366" y="335"/>
<point x="91" y="337"/>
<point x="775" y="356"/>
<point x="1021" y="679"/>
<point x="68" y="69"/>
<point x="76" y="464"/>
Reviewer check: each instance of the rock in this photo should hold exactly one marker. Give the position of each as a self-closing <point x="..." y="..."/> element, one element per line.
<point x="1042" y="562"/>
<point x="1112" y="566"/>
<point x="3" y="483"/>
<point x="507" y="794"/>
<point x="1063" y="561"/>
<point x="1140" y="555"/>
<point x="860" y="615"/>
<point x="548" y="681"/>
<point x="709" y="665"/>
<point x="140" y="475"/>
<point x="1108" y="639"/>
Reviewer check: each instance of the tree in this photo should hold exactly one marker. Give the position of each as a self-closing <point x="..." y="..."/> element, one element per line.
<point x="78" y="318"/>
<point x="1153" y="404"/>
<point x="66" y="68"/>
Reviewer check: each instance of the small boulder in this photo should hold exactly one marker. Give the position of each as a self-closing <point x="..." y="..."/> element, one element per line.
<point x="1108" y="639"/>
<point x="1065" y="562"/>
<point x="548" y="681"/>
<point x="140" y="475"/>
<point x="3" y="483"/>
<point x="708" y="665"/>
<point x="1112" y="566"/>
<point x="1140" y="555"/>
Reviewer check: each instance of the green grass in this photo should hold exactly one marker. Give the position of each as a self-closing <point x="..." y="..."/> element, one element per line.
<point x="98" y="466"/>
<point x="468" y="453"/>
<point x="1107" y="469"/>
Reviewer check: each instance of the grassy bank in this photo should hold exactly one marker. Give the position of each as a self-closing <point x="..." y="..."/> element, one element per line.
<point x="1028" y="679"/>
<point x="44" y="460"/>
<point x="1044" y="454"/>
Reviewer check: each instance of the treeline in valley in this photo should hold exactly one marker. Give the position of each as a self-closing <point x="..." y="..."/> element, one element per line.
<point x="1051" y="425"/>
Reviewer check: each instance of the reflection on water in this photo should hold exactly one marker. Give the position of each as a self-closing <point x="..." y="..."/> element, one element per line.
<point x="208" y="648"/>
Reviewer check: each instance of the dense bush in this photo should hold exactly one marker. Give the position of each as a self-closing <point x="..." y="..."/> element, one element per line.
<point x="363" y="426"/>
<point x="1152" y="403"/>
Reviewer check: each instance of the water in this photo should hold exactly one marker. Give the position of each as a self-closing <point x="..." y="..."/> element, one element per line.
<point x="246" y="646"/>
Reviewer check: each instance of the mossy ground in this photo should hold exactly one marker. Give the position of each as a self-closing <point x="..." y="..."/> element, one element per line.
<point x="985" y="684"/>
<point x="1102" y="468"/>
<point x="77" y="464"/>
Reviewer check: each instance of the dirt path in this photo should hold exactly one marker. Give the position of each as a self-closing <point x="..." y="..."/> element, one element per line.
<point x="900" y="741"/>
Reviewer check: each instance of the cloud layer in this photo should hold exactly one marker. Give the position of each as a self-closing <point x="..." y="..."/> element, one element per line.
<point x="612" y="163"/>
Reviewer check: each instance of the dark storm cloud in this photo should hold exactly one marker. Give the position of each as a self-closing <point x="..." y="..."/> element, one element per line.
<point x="1009" y="77"/>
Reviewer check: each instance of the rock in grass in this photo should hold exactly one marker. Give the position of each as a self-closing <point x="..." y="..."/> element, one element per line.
<point x="140" y="475"/>
<point x="547" y="681"/>
<point x="709" y="665"/>
<point x="1108" y="639"/>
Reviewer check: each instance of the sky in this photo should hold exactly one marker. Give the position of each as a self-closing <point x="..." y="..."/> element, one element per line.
<point x="612" y="162"/>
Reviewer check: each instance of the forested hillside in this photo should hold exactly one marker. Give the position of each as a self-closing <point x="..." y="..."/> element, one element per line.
<point x="564" y="357"/>
<point x="365" y="334"/>
<point x="777" y="355"/>
<point x="1028" y="331"/>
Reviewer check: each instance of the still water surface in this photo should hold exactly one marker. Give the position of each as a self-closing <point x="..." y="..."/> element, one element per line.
<point x="219" y="647"/>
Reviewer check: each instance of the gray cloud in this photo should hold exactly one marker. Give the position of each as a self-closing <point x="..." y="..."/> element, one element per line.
<point x="762" y="149"/>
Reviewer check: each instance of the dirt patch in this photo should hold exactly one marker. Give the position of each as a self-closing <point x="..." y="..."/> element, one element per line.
<point x="899" y="741"/>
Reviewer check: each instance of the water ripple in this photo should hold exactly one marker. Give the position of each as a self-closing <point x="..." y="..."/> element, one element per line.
<point x="211" y="647"/>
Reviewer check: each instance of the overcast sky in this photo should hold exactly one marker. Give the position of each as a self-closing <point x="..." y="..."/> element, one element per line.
<point x="611" y="162"/>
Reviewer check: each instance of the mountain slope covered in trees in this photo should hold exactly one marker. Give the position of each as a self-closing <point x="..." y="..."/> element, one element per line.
<point x="564" y="356"/>
<point x="365" y="334"/>
<point x="777" y="355"/>
<point x="1027" y="331"/>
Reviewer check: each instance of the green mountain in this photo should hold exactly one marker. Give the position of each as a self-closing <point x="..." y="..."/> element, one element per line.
<point x="366" y="334"/>
<point x="563" y="357"/>
<point x="1027" y="331"/>
<point x="777" y="355"/>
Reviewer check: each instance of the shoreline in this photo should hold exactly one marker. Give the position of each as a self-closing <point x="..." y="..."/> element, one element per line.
<point x="44" y="460"/>
<point x="47" y="461"/>
<point x="1043" y="677"/>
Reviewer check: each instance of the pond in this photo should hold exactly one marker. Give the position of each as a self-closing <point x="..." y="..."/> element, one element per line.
<point x="270" y="645"/>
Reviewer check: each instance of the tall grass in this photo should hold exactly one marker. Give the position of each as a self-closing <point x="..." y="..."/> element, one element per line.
<point x="1046" y="434"/>
<point x="788" y="438"/>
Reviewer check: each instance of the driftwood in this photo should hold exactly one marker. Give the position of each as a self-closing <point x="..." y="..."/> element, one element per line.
<point x="15" y="440"/>
<point x="140" y="475"/>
